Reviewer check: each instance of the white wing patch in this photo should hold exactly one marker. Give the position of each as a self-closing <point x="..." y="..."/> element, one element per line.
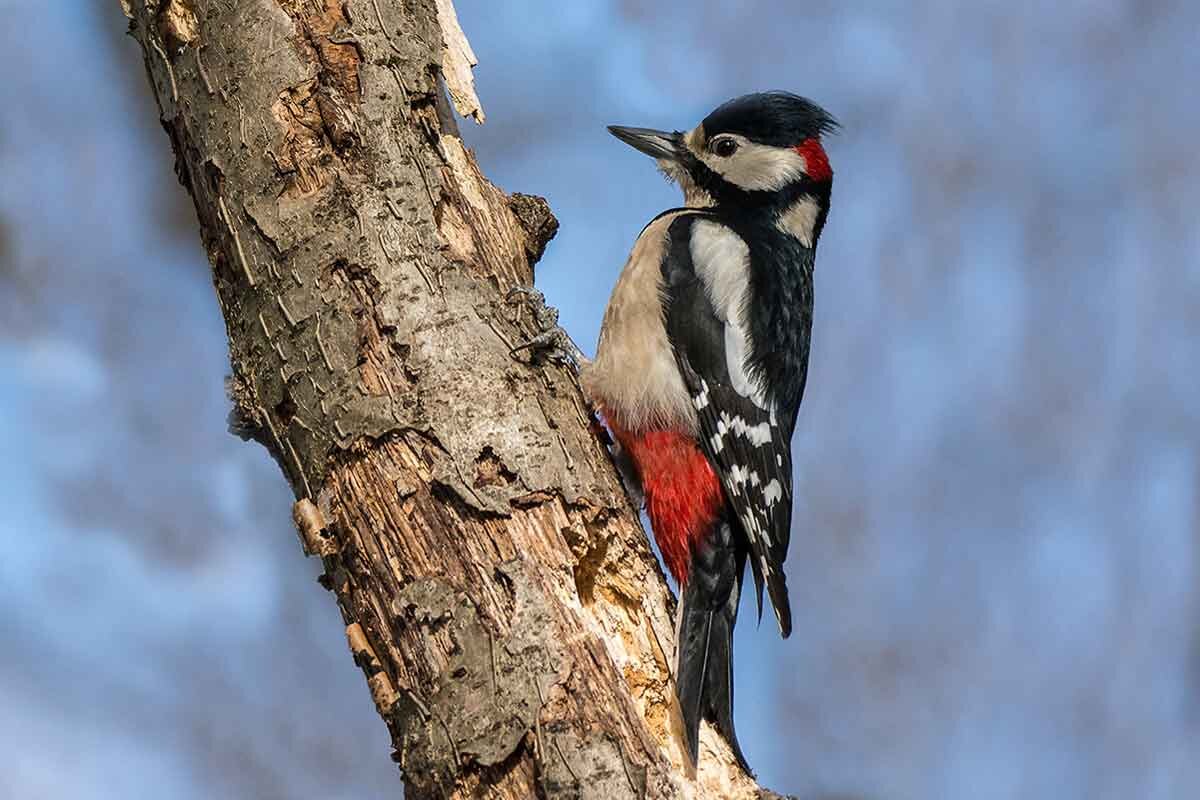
<point x="722" y="262"/>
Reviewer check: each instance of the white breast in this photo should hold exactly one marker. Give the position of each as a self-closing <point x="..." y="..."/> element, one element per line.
<point x="634" y="373"/>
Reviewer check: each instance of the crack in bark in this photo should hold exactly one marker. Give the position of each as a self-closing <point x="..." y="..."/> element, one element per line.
<point x="177" y="25"/>
<point x="318" y="116"/>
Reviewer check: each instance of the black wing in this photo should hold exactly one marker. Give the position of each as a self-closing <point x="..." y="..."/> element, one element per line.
<point x="747" y="444"/>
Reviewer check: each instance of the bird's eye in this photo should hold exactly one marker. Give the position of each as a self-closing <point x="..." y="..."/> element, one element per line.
<point x="725" y="147"/>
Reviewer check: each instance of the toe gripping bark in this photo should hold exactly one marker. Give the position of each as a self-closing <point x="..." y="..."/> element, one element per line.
<point x="551" y="342"/>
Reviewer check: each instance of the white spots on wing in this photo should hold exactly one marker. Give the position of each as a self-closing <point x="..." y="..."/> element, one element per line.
<point x="778" y="460"/>
<point x="757" y="435"/>
<point x="738" y="475"/>
<point x="722" y="262"/>
<point x="718" y="438"/>
<point x="773" y="493"/>
<point x="800" y="219"/>
<point x="754" y="166"/>
<point x="700" y="400"/>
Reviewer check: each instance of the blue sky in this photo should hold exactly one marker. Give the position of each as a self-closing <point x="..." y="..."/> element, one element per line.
<point x="995" y="555"/>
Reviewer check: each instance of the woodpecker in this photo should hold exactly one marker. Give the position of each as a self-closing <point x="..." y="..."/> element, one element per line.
<point x="702" y="361"/>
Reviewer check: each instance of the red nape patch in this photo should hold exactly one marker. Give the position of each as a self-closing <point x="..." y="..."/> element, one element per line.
<point x="683" y="493"/>
<point x="815" y="161"/>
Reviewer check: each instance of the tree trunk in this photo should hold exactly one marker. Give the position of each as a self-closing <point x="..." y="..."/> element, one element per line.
<point x="498" y="591"/>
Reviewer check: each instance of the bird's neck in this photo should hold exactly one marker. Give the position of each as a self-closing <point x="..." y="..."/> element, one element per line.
<point x="798" y="210"/>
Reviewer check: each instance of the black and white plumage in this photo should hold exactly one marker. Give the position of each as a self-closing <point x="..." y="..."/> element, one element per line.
<point x="745" y="429"/>
<point x="702" y="364"/>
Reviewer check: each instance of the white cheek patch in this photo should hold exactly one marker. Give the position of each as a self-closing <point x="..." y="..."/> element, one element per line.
<point x="757" y="167"/>
<point x="800" y="220"/>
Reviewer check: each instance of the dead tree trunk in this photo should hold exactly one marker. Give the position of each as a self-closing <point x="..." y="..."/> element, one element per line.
<point x="497" y="588"/>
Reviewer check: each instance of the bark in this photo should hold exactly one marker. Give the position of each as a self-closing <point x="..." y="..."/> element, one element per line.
<point x="499" y="594"/>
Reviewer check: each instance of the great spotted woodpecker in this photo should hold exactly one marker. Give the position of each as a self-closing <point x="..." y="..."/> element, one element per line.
<point x="702" y="361"/>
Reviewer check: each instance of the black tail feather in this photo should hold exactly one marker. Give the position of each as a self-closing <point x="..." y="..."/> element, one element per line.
<point x="694" y="632"/>
<point x="708" y="613"/>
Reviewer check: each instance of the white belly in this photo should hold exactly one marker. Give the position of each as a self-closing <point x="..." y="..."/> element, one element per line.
<point x="634" y="374"/>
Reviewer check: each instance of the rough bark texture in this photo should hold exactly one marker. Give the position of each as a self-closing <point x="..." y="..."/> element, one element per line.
<point x="499" y="594"/>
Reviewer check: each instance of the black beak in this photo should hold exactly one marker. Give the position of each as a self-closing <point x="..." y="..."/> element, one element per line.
<point x="656" y="144"/>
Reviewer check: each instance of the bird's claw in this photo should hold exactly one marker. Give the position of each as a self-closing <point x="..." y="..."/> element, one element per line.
<point x="552" y="342"/>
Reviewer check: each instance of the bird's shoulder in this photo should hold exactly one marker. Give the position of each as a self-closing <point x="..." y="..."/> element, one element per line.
<point x="670" y="215"/>
<point x="696" y="246"/>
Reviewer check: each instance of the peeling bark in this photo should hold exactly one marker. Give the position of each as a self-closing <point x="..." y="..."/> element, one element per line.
<point x="499" y="594"/>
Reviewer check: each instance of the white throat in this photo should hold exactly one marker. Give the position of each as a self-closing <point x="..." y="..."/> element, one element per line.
<point x="693" y="195"/>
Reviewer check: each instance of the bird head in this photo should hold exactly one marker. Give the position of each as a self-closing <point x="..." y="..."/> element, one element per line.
<point x="758" y="150"/>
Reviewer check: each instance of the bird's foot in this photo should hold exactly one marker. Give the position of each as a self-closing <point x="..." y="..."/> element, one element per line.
<point x="551" y="343"/>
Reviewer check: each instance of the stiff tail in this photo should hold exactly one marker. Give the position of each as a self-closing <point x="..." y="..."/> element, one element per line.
<point x="704" y="674"/>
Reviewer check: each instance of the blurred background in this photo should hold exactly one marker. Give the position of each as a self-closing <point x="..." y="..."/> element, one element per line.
<point x="996" y="564"/>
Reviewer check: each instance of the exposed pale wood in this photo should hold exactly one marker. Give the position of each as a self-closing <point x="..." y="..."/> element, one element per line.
<point x="498" y="592"/>
<point x="457" y="60"/>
